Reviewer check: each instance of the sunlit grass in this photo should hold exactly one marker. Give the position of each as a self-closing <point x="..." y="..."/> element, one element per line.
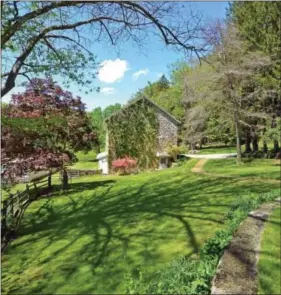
<point x="88" y="239"/>
<point x="265" y="168"/>
<point x="217" y="150"/>
<point x="85" y="161"/>
<point x="270" y="260"/>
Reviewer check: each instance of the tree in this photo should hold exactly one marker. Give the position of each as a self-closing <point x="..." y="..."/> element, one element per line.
<point x="195" y="115"/>
<point x="42" y="127"/>
<point x="164" y="94"/>
<point x="98" y="117"/>
<point x="97" y="122"/>
<point x="272" y="133"/>
<point x="259" y="26"/>
<point x="233" y="82"/>
<point x="163" y="83"/>
<point x="48" y="38"/>
<point x="109" y="110"/>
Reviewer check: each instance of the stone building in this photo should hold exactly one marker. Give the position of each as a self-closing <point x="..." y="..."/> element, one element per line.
<point x="168" y="130"/>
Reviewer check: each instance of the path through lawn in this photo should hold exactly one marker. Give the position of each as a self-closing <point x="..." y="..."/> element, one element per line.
<point x="87" y="240"/>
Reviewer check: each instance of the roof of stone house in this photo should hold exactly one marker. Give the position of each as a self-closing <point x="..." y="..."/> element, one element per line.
<point x="177" y="122"/>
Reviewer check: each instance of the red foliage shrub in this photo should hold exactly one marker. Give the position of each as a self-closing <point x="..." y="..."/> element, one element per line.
<point x="124" y="165"/>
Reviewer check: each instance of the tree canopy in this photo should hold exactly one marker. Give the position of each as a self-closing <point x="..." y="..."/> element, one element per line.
<point x="42" y="127"/>
<point x="233" y="93"/>
<point x="98" y="121"/>
<point x="51" y="38"/>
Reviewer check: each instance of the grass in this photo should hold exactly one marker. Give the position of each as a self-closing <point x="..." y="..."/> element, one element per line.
<point x="269" y="263"/>
<point x="217" y="150"/>
<point x="19" y="187"/>
<point x="264" y="168"/>
<point x="222" y="149"/>
<point x="88" y="239"/>
<point x="86" y="161"/>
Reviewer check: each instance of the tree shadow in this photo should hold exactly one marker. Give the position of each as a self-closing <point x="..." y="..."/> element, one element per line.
<point x="96" y="231"/>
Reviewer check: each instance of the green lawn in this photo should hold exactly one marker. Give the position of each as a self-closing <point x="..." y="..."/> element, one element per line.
<point x="87" y="240"/>
<point x="86" y="161"/>
<point x="265" y="168"/>
<point x="269" y="263"/>
<point x="217" y="150"/>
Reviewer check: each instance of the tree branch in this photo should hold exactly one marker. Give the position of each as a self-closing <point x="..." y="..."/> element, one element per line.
<point x="69" y="39"/>
<point x="16" y="10"/>
<point x="11" y="30"/>
<point x="51" y="47"/>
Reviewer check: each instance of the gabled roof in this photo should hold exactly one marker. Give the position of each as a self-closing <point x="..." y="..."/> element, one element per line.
<point x="177" y="122"/>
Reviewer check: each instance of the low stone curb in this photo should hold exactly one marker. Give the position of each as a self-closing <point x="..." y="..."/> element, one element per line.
<point x="237" y="269"/>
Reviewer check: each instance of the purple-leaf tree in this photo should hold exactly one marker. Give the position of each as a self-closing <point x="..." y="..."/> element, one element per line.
<point x="42" y="127"/>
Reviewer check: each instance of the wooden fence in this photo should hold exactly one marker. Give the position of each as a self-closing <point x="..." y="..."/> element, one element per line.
<point x="14" y="206"/>
<point x="35" y="176"/>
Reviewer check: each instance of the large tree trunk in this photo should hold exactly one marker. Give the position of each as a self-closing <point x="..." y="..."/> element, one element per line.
<point x="265" y="148"/>
<point x="248" y="141"/>
<point x="238" y="143"/>
<point x="276" y="146"/>
<point x="255" y="142"/>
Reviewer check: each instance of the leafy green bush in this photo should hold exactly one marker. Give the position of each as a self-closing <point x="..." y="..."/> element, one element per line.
<point x="194" y="276"/>
<point x="215" y="246"/>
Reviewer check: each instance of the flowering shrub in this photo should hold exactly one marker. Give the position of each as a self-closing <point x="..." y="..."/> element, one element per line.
<point x="125" y="165"/>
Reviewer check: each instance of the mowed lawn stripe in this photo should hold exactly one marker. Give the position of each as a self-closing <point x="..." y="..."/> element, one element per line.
<point x="87" y="240"/>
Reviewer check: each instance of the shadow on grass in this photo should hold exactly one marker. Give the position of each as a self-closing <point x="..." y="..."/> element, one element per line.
<point x="88" y="238"/>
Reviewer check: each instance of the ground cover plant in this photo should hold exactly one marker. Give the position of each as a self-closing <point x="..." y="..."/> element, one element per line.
<point x="188" y="275"/>
<point x="105" y="229"/>
<point x="269" y="262"/>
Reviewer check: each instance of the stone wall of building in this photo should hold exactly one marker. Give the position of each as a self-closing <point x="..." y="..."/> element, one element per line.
<point x="168" y="131"/>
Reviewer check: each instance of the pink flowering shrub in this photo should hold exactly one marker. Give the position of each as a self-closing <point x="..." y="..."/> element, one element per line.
<point x="124" y="165"/>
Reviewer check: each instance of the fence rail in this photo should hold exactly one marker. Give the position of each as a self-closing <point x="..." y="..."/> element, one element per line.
<point x="35" y="176"/>
<point x="13" y="208"/>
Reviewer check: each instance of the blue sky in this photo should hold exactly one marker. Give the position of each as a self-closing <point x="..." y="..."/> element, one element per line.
<point x="125" y="72"/>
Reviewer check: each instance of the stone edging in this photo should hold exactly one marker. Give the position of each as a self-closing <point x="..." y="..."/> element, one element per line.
<point x="237" y="269"/>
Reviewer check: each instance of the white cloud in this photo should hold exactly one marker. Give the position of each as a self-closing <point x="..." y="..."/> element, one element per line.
<point x="112" y="70"/>
<point x="159" y="75"/>
<point x="108" y="90"/>
<point x="137" y="74"/>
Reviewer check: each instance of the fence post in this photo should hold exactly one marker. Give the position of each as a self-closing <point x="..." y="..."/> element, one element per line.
<point x="28" y="192"/>
<point x="50" y="181"/>
<point x="36" y="190"/>
<point x="65" y="180"/>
